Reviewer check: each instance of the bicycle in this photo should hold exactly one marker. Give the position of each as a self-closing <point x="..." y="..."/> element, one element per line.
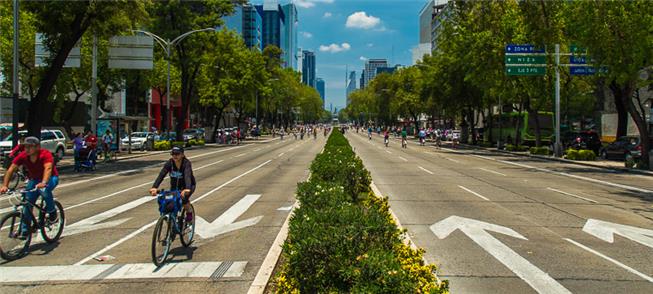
<point x="171" y="224"/>
<point x="404" y="143"/>
<point x="12" y="245"/>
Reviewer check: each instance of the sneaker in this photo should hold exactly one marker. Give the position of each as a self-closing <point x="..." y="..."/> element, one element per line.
<point x="52" y="217"/>
<point x="189" y="217"/>
<point x="22" y="235"/>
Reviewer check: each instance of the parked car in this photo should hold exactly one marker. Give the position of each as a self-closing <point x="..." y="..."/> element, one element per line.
<point x="51" y="140"/>
<point x="582" y="140"/>
<point x="623" y="146"/>
<point x="193" y="134"/>
<point x="139" y="141"/>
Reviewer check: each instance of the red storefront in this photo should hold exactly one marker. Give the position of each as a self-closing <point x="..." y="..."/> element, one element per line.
<point x="155" y="110"/>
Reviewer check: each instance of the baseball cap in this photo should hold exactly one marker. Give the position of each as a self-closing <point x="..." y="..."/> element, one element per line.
<point x="32" y="141"/>
<point x="177" y="150"/>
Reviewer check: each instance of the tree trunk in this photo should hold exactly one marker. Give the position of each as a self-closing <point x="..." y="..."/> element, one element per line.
<point x="640" y="121"/>
<point x="622" y="113"/>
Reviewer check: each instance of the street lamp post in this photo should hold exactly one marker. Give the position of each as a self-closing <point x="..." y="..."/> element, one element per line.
<point x="167" y="47"/>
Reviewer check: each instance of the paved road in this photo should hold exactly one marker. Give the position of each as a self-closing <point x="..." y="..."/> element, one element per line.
<point x="496" y="223"/>
<point x="244" y="195"/>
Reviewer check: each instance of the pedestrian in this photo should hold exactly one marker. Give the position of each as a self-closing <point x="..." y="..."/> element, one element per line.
<point x="107" y="141"/>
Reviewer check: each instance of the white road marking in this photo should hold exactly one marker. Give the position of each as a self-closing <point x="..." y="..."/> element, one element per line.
<point x="95" y="222"/>
<point x="145" y="227"/>
<point x="281" y="154"/>
<point x="451" y="159"/>
<point x="257" y="149"/>
<point x="491" y="171"/>
<point x="478" y="232"/>
<point x="572" y="195"/>
<point x="17" y="274"/>
<point x="606" y="231"/>
<point x="225" y="222"/>
<point x="602" y="182"/>
<point x="388" y="151"/>
<point x="239" y="155"/>
<point x="426" y="170"/>
<point x="404" y="159"/>
<point x="285" y="208"/>
<point x="470" y="191"/>
<point x="630" y="269"/>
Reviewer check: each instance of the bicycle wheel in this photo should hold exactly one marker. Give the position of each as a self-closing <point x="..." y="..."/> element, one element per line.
<point x="51" y="231"/>
<point x="15" y="180"/>
<point x="161" y="240"/>
<point x="11" y="246"/>
<point x="187" y="228"/>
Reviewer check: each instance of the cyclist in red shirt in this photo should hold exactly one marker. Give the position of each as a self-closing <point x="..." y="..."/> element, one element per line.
<point x="42" y="174"/>
<point x="91" y="141"/>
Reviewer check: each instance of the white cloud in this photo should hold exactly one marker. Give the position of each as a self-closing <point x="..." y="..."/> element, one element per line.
<point x="335" y="48"/>
<point x="327" y="15"/>
<point x="310" y="3"/>
<point x="361" y="20"/>
<point x="307" y="35"/>
<point x="363" y="58"/>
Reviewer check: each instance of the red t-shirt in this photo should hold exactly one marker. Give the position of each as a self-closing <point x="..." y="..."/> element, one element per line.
<point x="36" y="169"/>
<point x="17" y="150"/>
<point x="91" y="141"/>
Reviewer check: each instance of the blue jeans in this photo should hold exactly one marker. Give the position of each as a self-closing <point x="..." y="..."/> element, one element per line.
<point x="33" y="196"/>
<point x="77" y="160"/>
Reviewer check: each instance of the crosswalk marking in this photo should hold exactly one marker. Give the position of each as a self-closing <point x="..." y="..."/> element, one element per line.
<point x="14" y="274"/>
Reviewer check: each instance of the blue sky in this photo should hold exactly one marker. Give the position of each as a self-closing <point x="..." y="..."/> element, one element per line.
<point x="343" y="32"/>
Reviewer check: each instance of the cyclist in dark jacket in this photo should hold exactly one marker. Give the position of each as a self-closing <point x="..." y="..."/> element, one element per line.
<point x="181" y="178"/>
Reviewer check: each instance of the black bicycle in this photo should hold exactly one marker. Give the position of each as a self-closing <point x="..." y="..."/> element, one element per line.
<point x="170" y="224"/>
<point x="14" y="244"/>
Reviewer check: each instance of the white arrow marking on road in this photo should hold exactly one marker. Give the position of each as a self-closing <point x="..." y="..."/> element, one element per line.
<point x="606" y="231"/>
<point x="477" y="231"/>
<point x="225" y="223"/>
<point x="94" y="222"/>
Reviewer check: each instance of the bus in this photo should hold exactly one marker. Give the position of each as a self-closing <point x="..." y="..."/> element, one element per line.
<point x="510" y="121"/>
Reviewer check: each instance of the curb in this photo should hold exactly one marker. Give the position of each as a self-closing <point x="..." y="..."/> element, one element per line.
<point x="583" y="163"/>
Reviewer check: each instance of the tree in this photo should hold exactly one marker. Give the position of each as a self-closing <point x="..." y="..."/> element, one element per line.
<point x="617" y="35"/>
<point x="178" y="17"/>
<point x="63" y="23"/>
<point x="406" y="89"/>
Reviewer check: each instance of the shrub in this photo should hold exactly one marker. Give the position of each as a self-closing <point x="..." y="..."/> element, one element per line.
<point x="539" y="151"/>
<point x="178" y="144"/>
<point x="485" y="144"/>
<point x="587" y="155"/>
<point x="162" y="145"/>
<point x="343" y="239"/>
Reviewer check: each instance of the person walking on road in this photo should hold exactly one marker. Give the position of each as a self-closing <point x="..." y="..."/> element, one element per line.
<point x="78" y="145"/>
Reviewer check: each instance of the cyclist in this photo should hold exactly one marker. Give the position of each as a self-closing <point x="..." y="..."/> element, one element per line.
<point x="422" y="136"/>
<point x="404" y="135"/>
<point x="181" y="178"/>
<point x="314" y="133"/>
<point x="42" y="174"/>
<point x="369" y="133"/>
<point x="386" y="137"/>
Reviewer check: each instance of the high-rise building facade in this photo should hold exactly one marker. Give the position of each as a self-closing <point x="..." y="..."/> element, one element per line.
<point x="289" y="45"/>
<point x="253" y="27"/>
<point x="235" y="21"/>
<point x="273" y="24"/>
<point x="351" y="85"/>
<point x="370" y="68"/>
<point x="362" y="80"/>
<point x="321" y="88"/>
<point x="308" y="68"/>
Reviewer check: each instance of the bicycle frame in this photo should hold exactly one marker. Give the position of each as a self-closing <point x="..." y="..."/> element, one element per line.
<point x="23" y="202"/>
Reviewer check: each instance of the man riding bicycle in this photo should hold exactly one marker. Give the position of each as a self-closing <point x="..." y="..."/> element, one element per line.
<point x="181" y="178"/>
<point x="42" y="174"/>
<point x="404" y="136"/>
<point x="422" y="136"/>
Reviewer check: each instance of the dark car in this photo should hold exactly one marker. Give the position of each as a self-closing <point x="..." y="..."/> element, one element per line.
<point x="626" y="145"/>
<point x="582" y="140"/>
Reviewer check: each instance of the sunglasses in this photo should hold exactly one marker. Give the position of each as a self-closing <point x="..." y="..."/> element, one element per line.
<point x="175" y="153"/>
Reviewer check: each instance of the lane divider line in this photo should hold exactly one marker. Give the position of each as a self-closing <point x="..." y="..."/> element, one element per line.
<point x="599" y="254"/>
<point x="451" y="159"/>
<point x="426" y="170"/>
<point x="476" y="194"/>
<point x="572" y="195"/>
<point x="491" y="171"/>
<point x="404" y="159"/>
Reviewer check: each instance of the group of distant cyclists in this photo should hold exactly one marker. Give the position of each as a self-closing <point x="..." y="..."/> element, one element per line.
<point x="422" y="135"/>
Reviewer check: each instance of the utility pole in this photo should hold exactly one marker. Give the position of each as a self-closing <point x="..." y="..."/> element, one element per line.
<point x="15" y="83"/>
<point x="94" y="89"/>
<point x="557" y="147"/>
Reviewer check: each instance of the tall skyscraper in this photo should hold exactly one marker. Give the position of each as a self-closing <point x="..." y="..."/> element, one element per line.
<point x="308" y="68"/>
<point x="289" y="45"/>
<point x="235" y="21"/>
<point x="370" y="68"/>
<point x="273" y="24"/>
<point x="362" y="80"/>
<point x="253" y="27"/>
<point x="351" y="84"/>
<point x="321" y="88"/>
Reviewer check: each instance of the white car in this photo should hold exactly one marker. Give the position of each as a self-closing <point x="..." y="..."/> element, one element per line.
<point x="139" y="140"/>
<point x="51" y="140"/>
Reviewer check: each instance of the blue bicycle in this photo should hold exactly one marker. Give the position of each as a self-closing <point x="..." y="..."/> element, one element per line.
<point x="171" y="223"/>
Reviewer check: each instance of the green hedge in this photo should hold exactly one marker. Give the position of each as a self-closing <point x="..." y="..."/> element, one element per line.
<point x="162" y="145"/>
<point x="540" y="151"/>
<point x="195" y="142"/>
<point x="342" y="238"/>
<point x="583" y="154"/>
<point x="520" y="148"/>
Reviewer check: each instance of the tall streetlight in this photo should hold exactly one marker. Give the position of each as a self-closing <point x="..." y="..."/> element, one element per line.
<point x="14" y="81"/>
<point x="167" y="48"/>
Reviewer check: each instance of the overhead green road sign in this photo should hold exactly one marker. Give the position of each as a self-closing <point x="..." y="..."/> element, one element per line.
<point x="515" y="59"/>
<point x="525" y="70"/>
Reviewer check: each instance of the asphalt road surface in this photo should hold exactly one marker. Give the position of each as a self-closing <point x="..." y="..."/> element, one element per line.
<point x="243" y="197"/>
<point x="496" y="223"/>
